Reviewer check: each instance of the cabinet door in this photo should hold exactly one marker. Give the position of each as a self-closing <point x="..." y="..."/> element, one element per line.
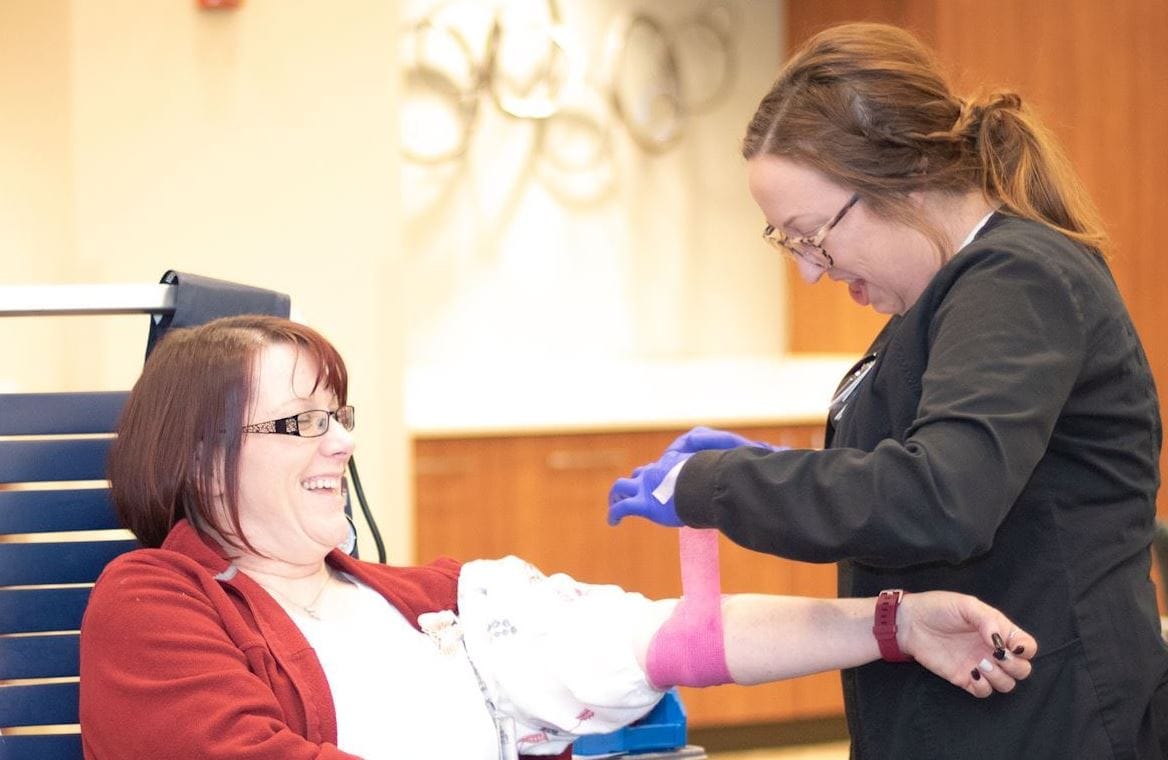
<point x="544" y="498"/>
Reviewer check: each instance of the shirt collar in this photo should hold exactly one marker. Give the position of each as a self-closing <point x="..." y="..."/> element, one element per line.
<point x="976" y="229"/>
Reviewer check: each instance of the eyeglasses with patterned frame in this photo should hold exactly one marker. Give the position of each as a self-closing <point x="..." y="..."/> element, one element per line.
<point x="809" y="248"/>
<point x="311" y="424"/>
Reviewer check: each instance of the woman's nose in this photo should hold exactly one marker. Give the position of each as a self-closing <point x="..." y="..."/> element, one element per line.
<point x="809" y="271"/>
<point x="337" y="441"/>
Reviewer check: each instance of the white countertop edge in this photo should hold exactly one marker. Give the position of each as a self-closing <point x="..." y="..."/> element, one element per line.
<point x="564" y="397"/>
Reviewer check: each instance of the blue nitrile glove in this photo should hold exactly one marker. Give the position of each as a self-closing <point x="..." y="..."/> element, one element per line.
<point x="702" y="438"/>
<point x="634" y="495"/>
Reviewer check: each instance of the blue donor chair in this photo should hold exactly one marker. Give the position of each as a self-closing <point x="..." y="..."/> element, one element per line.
<point x="57" y="532"/>
<point x="57" y="526"/>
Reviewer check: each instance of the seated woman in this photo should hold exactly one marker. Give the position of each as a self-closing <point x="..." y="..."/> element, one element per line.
<point x="242" y="631"/>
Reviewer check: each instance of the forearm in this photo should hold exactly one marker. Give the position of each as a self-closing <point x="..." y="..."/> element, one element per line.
<point x="769" y="638"/>
<point x="707" y="638"/>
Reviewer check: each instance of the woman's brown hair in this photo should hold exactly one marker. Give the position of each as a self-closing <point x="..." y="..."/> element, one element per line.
<point x="178" y="439"/>
<point x="867" y="106"/>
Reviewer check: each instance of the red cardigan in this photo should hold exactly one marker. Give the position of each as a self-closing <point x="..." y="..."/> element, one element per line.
<point x="182" y="657"/>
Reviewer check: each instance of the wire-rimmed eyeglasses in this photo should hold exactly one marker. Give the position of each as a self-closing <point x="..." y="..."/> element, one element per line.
<point x="311" y="424"/>
<point x="808" y="248"/>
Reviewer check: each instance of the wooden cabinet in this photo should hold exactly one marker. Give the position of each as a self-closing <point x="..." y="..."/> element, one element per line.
<point x="544" y="497"/>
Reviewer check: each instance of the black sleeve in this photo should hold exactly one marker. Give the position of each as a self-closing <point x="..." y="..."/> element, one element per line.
<point x="1003" y="347"/>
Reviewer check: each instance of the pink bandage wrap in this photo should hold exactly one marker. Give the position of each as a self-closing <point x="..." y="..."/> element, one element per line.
<point x="689" y="648"/>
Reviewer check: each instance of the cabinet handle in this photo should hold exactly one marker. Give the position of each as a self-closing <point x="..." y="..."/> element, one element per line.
<point x="443" y="465"/>
<point x="582" y="459"/>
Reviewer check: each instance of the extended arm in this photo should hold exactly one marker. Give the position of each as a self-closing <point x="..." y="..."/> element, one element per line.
<point x="947" y="440"/>
<point x="707" y="638"/>
<point x="565" y="658"/>
<point x="769" y="638"/>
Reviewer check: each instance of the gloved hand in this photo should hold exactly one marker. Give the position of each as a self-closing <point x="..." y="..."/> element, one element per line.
<point x="702" y="438"/>
<point x="634" y="495"/>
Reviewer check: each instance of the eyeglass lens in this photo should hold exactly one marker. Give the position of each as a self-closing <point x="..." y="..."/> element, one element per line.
<point x="315" y="423"/>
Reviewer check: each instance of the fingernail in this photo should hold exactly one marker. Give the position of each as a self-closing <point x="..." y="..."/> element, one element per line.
<point x="1000" y="654"/>
<point x="986" y="666"/>
<point x="998" y="643"/>
<point x="975" y="674"/>
<point x="1019" y="649"/>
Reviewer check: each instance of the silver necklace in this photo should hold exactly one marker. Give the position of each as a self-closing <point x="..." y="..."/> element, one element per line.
<point x="312" y="609"/>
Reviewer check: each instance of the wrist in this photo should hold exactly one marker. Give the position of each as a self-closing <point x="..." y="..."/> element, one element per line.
<point x="694" y="496"/>
<point x="886" y="627"/>
<point x="663" y="493"/>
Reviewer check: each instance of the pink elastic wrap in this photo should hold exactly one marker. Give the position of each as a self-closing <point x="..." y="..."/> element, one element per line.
<point x="689" y="648"/>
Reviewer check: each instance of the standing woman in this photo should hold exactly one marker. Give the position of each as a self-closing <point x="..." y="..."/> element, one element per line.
<point x="1001" y="437"/>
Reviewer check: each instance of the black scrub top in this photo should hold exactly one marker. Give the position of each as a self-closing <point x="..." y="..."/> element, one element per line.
<point x="1001" y="439"/>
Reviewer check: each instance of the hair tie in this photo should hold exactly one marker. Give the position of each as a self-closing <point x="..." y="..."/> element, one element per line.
<point x="969" y="117"/>
<point x="1004" y="101"/>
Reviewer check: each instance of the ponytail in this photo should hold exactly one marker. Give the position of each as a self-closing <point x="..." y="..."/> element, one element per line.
<point x="1026" y="171"/>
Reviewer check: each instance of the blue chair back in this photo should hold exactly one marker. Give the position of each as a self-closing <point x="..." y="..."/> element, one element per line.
<point x="57" y="526"/>
<point x="57" y="532"/>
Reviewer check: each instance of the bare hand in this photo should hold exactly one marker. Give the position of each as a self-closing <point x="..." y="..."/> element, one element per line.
<point x="953" y="636"/>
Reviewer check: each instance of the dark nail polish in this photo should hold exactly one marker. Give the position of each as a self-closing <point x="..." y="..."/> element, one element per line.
<point x="975" y="674"/>
<point x="998" y="643"/>
<point x="1019" y="649"/>
<point x="1000" y="654"/>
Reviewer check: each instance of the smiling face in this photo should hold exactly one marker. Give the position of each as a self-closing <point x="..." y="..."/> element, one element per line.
<point x="291" y="506"/>
<point x="885" y="265"/>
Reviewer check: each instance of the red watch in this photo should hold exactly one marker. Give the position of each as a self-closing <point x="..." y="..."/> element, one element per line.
<point x="885" y="625"/>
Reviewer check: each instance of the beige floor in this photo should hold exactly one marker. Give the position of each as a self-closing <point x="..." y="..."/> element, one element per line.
<point x="832" y="751"/>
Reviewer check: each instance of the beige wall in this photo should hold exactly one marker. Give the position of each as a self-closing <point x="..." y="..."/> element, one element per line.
<point x="668" y="265"/>
<point x="259" y="145"/>
<point x="35" y="195"/>
<point x="252" y="145"/>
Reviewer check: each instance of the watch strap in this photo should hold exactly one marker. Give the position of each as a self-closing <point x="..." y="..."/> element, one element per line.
<point x="884" y="627"/>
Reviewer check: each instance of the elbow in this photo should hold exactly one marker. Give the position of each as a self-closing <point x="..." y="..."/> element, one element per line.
<point x="964" y="546"/>
<point x="940" y="534"/>
<point x="963" y="534"/>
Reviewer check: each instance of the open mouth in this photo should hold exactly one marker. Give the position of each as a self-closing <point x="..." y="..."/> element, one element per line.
<point x="334" y="485"/>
